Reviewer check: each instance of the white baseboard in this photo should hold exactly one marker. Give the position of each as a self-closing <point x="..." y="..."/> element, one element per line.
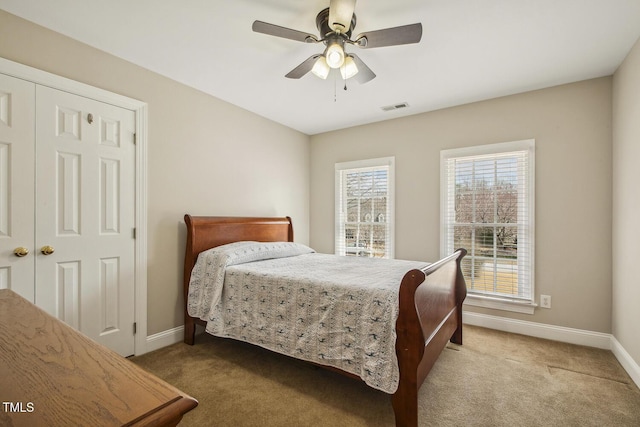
<point x="165" y="338"/>
<point x="539" y="330"/>
<point x="558" y="333"/>
<point x="625" y="359"/>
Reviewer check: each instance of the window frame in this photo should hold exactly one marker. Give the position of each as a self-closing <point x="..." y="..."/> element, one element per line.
<point x="340" y="225"/>
<point x="520" y="305"/>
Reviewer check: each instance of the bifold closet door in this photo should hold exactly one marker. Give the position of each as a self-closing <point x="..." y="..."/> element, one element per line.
<point x="85" y="189"/>
<point x="17" y="148"/>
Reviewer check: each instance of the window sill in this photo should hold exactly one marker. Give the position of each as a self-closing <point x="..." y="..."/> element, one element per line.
<point x="500" y="304"/>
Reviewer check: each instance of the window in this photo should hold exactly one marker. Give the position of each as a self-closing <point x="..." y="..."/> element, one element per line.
<point x="488" y="208"/>
<point x="364" y="208"/>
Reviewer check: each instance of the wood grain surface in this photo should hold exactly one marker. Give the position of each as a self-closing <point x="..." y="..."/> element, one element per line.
<point x="52" y="375"/>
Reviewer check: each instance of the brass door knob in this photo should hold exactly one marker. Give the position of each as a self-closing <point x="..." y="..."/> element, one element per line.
<point x="47" y="250"/>
<point x="20" y="252"/>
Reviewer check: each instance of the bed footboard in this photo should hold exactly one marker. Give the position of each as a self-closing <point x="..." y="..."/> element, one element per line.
<point x="430" y="316"/>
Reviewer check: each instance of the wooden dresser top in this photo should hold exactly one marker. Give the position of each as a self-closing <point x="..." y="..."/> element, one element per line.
<point x="53" y="375"/>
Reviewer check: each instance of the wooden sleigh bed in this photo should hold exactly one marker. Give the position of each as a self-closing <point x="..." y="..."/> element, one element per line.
<point x="430" y="301"/>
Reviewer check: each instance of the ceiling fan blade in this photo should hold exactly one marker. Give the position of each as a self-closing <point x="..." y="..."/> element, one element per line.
<point x="364" y="73"/>
<point x="303" y="68"/>
<point x="286" y="33"/>
<point x="340" y="14"/>
<point x="405" y="34"/>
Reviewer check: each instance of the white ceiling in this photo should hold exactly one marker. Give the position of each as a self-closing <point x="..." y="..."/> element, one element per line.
<point x="470" y="50"/>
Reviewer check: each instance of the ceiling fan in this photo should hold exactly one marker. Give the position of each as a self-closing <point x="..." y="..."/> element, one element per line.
<point x="335" y="24"/>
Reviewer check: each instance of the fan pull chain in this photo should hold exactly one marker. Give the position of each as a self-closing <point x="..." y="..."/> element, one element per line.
<point x="344" y="78"/>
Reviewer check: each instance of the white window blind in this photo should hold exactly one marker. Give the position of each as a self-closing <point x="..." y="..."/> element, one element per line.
<point x="488" y="209"/>
<point x="364" y="208"/>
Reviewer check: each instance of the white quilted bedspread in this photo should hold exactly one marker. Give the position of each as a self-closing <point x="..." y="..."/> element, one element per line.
<point x="328" y="309"/>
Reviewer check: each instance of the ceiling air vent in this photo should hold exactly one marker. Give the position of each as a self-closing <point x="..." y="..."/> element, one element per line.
<point x="395" y="106"/>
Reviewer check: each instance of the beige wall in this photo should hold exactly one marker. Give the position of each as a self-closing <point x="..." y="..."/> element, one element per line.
<point x="572" y="128"/>
<point x="195" y="142"/>
<point x="206" y="157"/>
<point x="626" y="203"/>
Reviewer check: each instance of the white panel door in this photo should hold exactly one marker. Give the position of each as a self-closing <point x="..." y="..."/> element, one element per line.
<point x="85" y="190"/>
<point x="17" y="144"/>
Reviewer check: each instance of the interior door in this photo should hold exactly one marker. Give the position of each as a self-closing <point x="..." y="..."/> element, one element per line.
<point x="85" y="162"/>
<point x="17" y="144"/>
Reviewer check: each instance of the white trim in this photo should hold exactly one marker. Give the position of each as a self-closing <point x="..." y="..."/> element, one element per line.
<point x="164" y="338"/>
<point x="54" y="81"/>
<point x="141" y="229"/>
<point x="44" y="78"/>
<point x="527" y="238"/>
<point x="500" y="304"/>
<point x="539" y="330"/>
<point x="625" y="359"/>
<point x="486" y="149"/>
<point x="391" y="194"/>
<point x="367" y="163"/>
<point x="558" y="333"/>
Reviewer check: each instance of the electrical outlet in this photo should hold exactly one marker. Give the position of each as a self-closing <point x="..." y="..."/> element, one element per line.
<point x="545" y="301"/>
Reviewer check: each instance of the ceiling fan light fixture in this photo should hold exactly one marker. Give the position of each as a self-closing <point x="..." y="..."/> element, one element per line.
<point x="335" y="26"/>
<point x="335" y="54"/>
<point x="349" y="68"/>
<point x="321" y="68"/>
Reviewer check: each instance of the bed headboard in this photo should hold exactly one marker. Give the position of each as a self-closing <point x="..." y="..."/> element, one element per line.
<point x="206" y="232"/>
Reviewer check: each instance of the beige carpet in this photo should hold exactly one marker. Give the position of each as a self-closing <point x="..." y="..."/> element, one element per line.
<point x="494" y="379"/>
